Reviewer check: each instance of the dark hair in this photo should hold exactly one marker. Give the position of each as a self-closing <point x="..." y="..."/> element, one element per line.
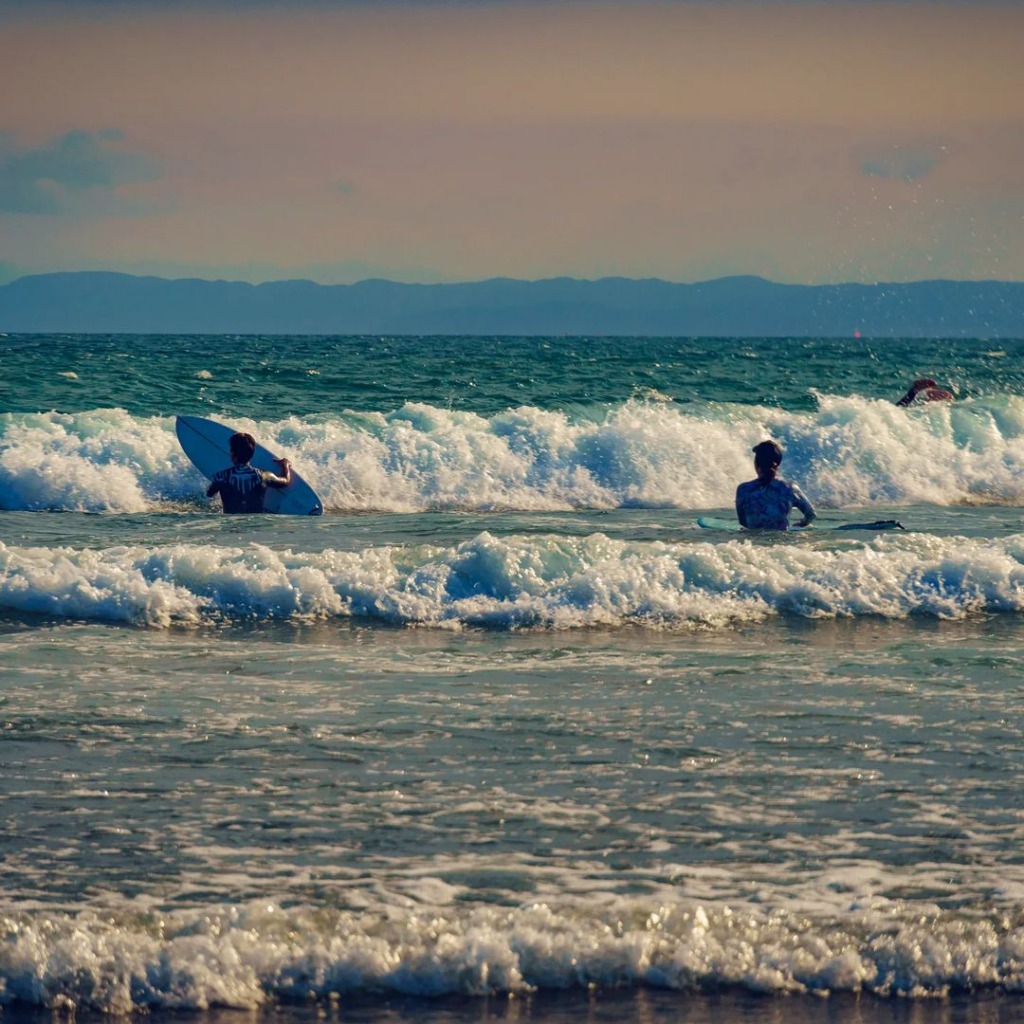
<point x="767" y="455"/>
<point x="243" y="447"/>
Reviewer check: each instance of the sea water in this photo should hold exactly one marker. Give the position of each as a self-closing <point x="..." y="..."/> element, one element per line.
<point x="504" y="734"/>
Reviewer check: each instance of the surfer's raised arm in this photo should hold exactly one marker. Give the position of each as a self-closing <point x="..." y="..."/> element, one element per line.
<point x="279" y="481"/>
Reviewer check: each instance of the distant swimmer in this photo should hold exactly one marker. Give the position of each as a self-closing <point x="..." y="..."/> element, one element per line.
<point x="925" y="390"/>
<point x="765" y="503"/>
<point x="242" y="487"/>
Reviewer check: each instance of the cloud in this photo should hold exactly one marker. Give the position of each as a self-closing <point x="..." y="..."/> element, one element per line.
<point x="903" y="163"/>
<point x="346" y="188"/>
<point x="78" y="172"/>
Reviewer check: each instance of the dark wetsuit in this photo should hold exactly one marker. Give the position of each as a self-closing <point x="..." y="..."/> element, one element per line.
<point x="243" y="488"/>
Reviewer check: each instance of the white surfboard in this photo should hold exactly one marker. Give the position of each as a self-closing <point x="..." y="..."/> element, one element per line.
<point x="206" y="443"/>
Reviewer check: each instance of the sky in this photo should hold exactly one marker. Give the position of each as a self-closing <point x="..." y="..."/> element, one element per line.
<point x="806" y="142"/>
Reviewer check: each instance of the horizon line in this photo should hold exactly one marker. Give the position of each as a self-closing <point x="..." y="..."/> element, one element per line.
<point x="504" y="278"/>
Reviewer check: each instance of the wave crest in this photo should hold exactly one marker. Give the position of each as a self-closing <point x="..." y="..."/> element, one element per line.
<point x="514" y="582"/>
<point x="851" y="451"/>
<point x="245" y="956"/>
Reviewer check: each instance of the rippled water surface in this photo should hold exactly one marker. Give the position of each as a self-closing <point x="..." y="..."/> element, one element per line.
<point x="282" y="376"/>
<point x="505" y="721"/>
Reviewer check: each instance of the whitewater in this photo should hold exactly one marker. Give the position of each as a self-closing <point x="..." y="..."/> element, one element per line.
<point x="641" y="454"/>
<point x="504" y="734"/>
<point x="248" y="956"/>
<point x="516" y="582"/>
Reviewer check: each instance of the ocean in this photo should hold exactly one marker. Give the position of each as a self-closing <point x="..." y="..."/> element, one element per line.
<point x="504" y="735"/>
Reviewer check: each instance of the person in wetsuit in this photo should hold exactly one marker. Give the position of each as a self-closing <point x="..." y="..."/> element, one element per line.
<point x="925" y="390"/>
<point x="242" y="487"/>
<point x="765" y="503"/>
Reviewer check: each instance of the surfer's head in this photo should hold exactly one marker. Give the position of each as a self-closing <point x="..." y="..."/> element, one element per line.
<point x="767" y="457"/>
<point x="243" y="447"/>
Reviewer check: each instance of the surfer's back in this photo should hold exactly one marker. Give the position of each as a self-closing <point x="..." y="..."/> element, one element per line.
<point x="241" y="488"/>
<point x="766" y="506"/>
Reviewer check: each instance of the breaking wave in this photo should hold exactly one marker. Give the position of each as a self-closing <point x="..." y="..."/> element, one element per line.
<point x="851" y="451"/>
<point x="514" y="582"/>
<point x="245" y="956"/>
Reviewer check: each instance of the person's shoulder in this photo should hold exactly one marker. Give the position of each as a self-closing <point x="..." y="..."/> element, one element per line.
<point x="221" y="475"/>
<point x="746" y="487"/>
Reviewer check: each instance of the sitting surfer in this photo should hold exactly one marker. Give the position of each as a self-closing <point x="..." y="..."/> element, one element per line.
<point x="925" y="390"/>
<point x="242" y="487"/>
<point x="765" y="503"/>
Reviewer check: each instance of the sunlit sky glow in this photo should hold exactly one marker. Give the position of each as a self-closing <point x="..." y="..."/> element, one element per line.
<point x="805" y="142"/>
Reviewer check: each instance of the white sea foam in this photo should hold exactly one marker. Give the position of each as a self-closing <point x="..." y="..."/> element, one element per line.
<point x="851" y="451"/>
<point x="511" y="582"/>
<point x="244" y="956"/>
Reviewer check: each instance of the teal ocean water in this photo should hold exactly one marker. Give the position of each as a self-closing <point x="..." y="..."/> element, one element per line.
<point x="504" y="734"/>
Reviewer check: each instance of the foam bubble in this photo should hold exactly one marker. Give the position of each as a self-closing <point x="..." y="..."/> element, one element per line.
<point x="514" y="582"/>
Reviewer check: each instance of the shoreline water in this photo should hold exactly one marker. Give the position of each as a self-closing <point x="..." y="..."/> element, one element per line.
<point x="604" y="1006"/>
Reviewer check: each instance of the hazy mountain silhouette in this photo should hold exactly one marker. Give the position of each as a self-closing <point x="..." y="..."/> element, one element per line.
<point x="91" y="302"/>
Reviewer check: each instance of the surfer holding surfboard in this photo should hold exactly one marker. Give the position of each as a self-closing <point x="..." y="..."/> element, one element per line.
<point x="246" y="476"/>
<point x="765" y="503"/>
<point x="241" y="486"/>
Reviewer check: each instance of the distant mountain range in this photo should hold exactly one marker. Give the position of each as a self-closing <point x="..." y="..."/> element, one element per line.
<point x="91" y="302"/>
